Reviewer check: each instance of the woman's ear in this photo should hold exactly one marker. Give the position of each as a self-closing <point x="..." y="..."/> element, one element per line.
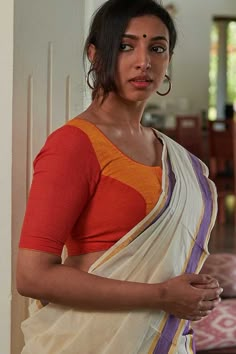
<point x="91" y="52"/>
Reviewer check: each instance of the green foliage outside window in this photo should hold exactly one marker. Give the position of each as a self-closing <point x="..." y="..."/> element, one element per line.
<point x="213" y="67"/>
<point x="231" y="63"/>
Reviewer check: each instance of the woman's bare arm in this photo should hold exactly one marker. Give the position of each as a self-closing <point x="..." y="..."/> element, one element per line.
<point x="42" y="276"/>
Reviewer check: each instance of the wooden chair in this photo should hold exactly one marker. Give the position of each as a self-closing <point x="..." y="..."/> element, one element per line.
<point x="222" y="160"/>
<point x="189" y="133"/>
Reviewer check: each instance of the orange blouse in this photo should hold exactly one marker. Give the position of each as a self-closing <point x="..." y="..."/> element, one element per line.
<point x="86" y="194"/>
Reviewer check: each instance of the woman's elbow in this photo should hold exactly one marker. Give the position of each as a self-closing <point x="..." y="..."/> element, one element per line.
<point x="25" y="285"/>
<point x="31" y="271"/>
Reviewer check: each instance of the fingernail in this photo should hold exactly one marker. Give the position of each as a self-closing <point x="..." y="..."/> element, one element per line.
<point x="219" y="291"/>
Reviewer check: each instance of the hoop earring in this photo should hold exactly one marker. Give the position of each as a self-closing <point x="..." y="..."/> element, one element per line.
<point x="169" y="88"/>
<point x="87" y="78"/>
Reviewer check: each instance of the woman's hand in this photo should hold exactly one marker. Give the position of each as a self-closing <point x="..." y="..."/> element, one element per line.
<point x="191" y="296"/>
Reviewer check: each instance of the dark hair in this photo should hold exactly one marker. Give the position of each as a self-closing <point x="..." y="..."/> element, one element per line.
<point x="107" y="27"/>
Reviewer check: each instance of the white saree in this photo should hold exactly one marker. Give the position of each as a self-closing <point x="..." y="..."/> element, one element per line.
<point x="170" y="241"/>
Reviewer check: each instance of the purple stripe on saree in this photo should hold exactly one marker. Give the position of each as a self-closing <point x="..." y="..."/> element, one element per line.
<point x="206" y="220"/>
<point x="168" y="333"/>
<point x="164" y="343"/>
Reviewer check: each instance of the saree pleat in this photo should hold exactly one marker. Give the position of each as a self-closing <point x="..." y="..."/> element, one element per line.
<point x="171" y="240"/>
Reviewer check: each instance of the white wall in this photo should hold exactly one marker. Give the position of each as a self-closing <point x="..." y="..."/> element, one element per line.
<point x="191" y="58"/>
<point x="6" y="73"/>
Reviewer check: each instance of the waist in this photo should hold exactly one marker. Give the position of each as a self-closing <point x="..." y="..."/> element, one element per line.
<point x="83" y="261"/>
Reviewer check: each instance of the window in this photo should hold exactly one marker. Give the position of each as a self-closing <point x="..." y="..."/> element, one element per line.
<point x="222" y="68"/>
<point x="213" y="69"/>
<point x="231" y="60"/>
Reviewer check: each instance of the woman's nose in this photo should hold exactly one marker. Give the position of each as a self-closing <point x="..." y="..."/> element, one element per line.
<point x="143" y="61"/>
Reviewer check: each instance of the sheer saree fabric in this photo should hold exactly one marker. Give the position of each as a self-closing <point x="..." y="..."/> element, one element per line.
<point x="171" y="240"/>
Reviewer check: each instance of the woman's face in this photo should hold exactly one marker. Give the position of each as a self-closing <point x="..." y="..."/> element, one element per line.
<point x="143" y="58"/>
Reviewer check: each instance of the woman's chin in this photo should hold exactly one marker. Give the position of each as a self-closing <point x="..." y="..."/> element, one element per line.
<point x="138" y="96"/>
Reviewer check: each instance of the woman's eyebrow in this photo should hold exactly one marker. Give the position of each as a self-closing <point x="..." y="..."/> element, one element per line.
<point x="133" y="36"/>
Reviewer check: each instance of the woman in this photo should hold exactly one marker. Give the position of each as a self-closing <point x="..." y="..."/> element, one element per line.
<point x="134" y="209"/>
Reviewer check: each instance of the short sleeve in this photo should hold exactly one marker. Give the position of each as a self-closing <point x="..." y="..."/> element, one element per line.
<point x="66" y="172"/>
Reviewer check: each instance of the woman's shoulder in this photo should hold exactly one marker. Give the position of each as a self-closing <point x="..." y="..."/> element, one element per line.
<point x="88" y="127"/>
<point x="68" y="143"/>
<point x="73" y="135"/>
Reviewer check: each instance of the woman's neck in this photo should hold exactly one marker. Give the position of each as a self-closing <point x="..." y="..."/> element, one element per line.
<point x="118" y="112"/>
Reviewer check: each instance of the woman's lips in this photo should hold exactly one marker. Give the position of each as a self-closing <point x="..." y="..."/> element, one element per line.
<point x="140" y="83"/>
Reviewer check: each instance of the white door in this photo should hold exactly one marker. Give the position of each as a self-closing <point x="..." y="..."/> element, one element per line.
<point x="48" y="89"/>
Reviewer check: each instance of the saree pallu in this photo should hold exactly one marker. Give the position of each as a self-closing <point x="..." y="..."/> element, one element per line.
<point x="171" y="240"/>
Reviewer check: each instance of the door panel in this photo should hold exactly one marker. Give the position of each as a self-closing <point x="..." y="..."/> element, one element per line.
<point x="49" y="87"/>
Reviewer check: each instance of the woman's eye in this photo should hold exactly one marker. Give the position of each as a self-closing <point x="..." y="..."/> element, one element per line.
<point x="158" y="49"/>
<point x="125" y="47"/>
